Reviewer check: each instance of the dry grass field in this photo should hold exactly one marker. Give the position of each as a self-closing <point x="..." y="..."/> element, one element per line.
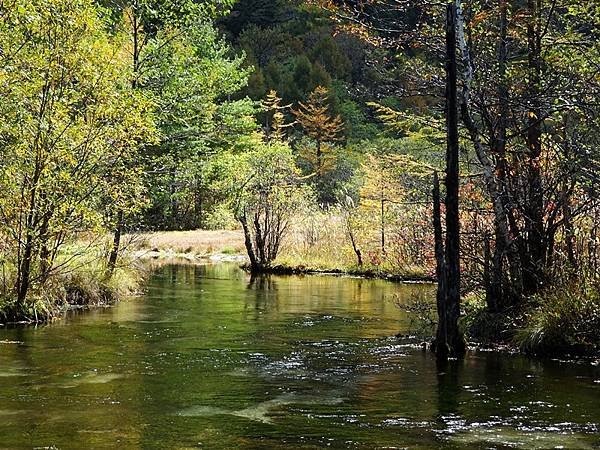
<point x="195" y="242"/>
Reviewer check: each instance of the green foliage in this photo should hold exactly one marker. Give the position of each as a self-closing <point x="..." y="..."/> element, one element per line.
<point x="329" y="56"/>
<point x="71" y="129"/>
<point x="267" y="192"/>
<point x="357" y="125"/>
<point x="257" y="14"/>
<point x="267" y="173"/>
<point x="190" y="74"/>
<point x="82" y="282"/>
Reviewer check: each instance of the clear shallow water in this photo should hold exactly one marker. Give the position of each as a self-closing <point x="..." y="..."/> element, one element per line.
<point x="210" y="359"/>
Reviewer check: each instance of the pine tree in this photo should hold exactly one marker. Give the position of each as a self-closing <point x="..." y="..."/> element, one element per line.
<point x="319" y="125"/>
<point x="275" y="123"/>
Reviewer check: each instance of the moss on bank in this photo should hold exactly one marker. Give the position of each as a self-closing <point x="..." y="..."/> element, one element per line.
<point x="84" y="286"/>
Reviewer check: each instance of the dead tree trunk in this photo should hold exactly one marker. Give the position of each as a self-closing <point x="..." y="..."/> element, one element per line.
<point x="440" y="266"/>
<point x="450" y="341"/>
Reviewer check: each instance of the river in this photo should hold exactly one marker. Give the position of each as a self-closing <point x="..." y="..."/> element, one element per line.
<point x="208" y="358"/>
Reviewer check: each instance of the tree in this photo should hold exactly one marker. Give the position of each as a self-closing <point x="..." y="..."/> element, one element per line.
<point x="381" y="186"/>
<point x="522" y="163"/>
<point x="151" y="26"/>
<point x="257" y="13"/>
<point x="449" y="340"/>
<point x="275" y="123"/>
<point x="523" y="72"/>
<point x="191" y="74"/>
<point x="320" y="126"/>
<point x="72" y="125"/>
<point x="329" y="56"/>
<point x="266" y="193"/>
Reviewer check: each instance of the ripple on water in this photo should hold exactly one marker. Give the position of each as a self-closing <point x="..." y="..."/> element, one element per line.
<point x="262" y="412"/>
<point x="404" y="422"/>
<point x="512" y="432"/>
<point x="515" y="438"/>
<point x="8" y="373"/>
<point x="91" y="378"/>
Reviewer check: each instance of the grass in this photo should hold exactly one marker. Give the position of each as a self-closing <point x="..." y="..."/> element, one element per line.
<point x="80" y="282"/>
<point x="195" y="242"/>
<point x="316" y="242"/>
<point x="91" y="287"/>
<point x="486" y="327"/>
<point x="565" y="318"/>
<point x="290" y="264"/>
<point x="562" y="319"/>
<point x="325" y="247"/>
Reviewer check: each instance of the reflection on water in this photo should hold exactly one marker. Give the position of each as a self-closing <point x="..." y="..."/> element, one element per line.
<point x="210" y="358"/>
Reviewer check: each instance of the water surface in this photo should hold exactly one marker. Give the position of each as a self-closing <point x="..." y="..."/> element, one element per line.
<point x="209" y="358"/>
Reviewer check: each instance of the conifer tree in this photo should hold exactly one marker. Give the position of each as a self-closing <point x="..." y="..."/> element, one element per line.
<point x="275" y="123"/>
<point x="322" y="127"/>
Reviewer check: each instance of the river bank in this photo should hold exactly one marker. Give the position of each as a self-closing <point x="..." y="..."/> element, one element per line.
<point x="368" y="273"/>
<point x="561" y="321"/>
<point x="228" y="246"/>
<point x="86" y="284"/>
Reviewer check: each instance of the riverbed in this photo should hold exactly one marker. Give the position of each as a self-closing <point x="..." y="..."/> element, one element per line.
<point x="209" y="357"/>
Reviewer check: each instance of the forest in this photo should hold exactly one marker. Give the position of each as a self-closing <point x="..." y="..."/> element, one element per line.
<point x="455" y="142"/>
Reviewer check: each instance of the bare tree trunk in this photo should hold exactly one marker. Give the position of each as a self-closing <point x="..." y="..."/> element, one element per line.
<point x="116" y="246"/>
<point x="260" y="239"/>
<point x="440" y="268"/>
<point x="248" y="242"/>
<point x="347" y="209"/>
<point x="25" y="270"/>
<point x="454" y="338"/>
<point x="357" y="251"/>
<point x="449" y="340"/>
<point x="25" y="262"/>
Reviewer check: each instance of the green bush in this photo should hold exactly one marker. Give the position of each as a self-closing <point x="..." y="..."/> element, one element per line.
<point x="220" y="218"/>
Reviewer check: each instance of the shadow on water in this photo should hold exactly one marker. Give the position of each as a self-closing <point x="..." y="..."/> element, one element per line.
<point x="213" y="358"/>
